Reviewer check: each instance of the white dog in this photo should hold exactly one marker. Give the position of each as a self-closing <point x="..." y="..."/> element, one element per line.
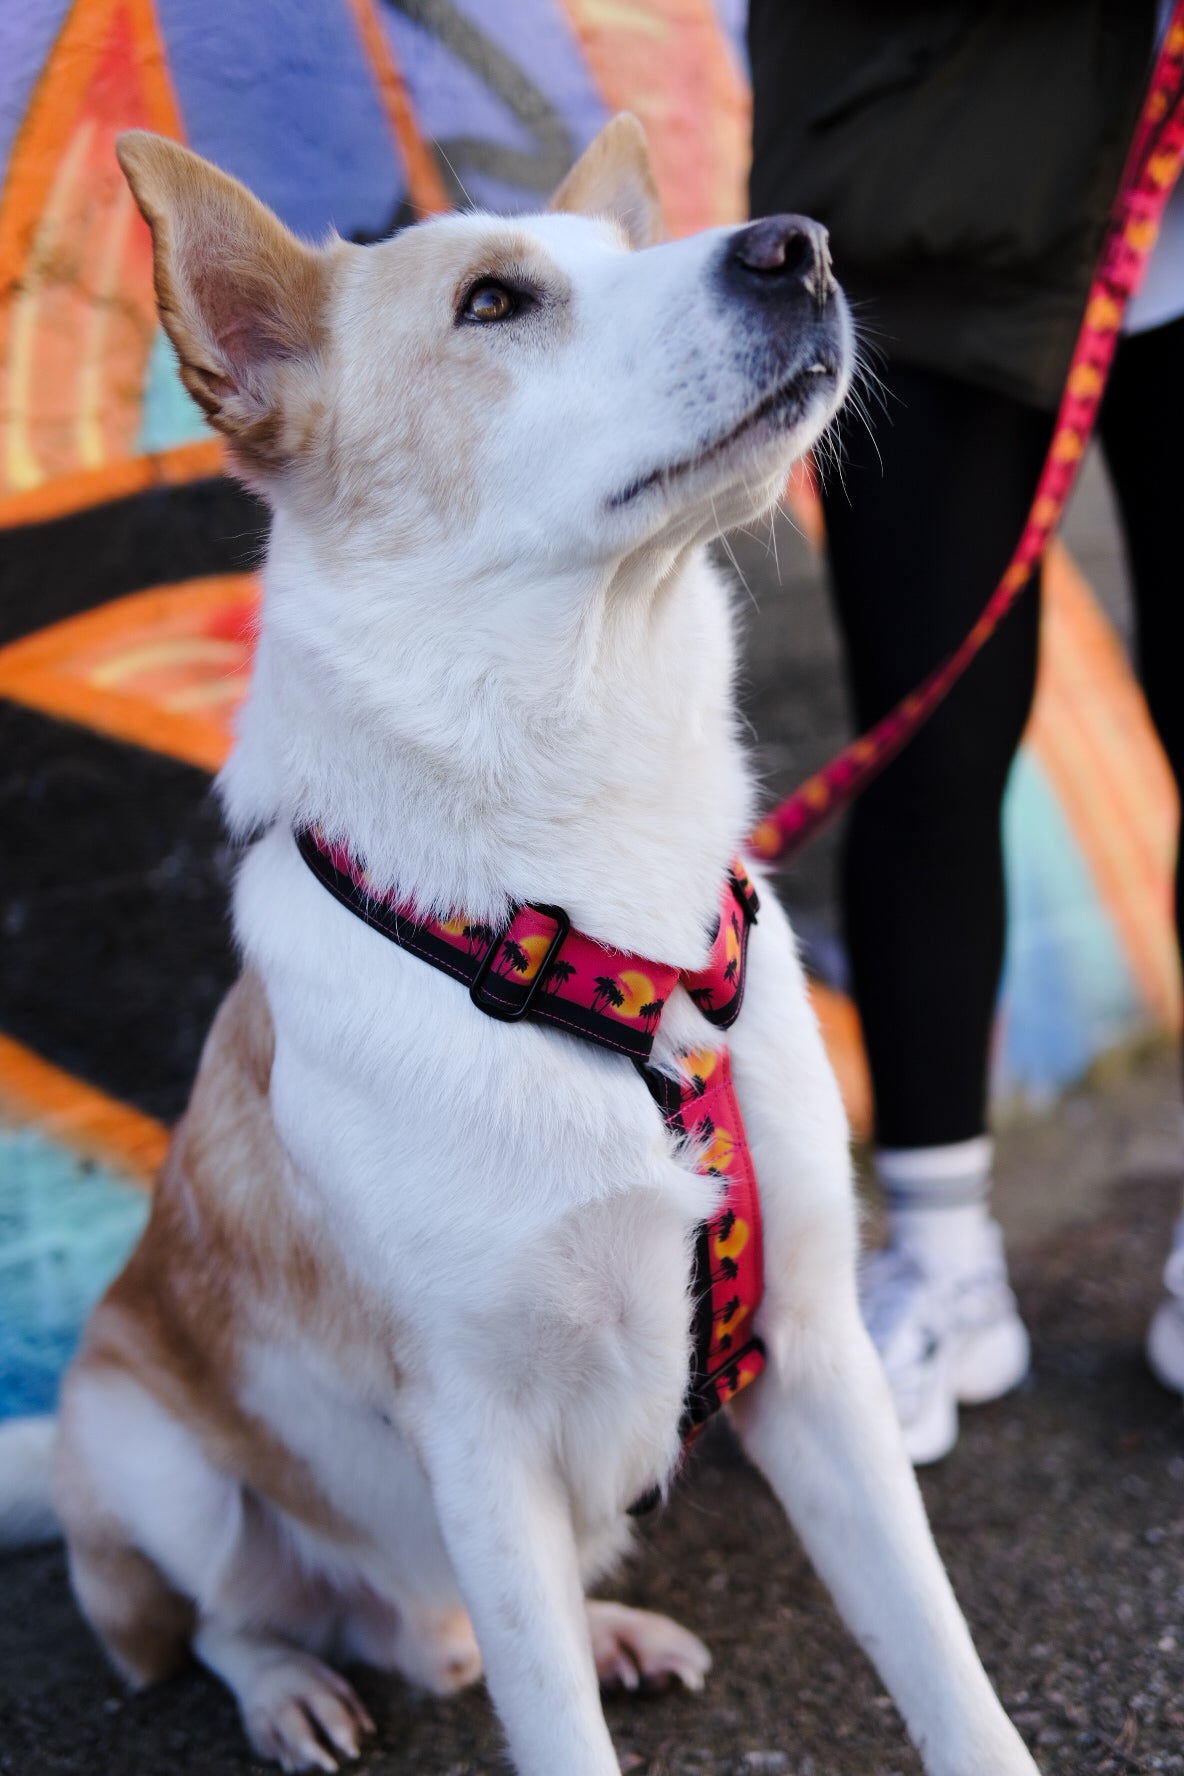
<point x="410" y="1326"/>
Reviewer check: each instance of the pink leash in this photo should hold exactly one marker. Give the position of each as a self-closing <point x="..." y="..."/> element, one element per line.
<point x="1152" y="168"/>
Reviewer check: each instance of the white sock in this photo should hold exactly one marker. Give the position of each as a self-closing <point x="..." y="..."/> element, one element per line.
<point x="938" y="1201"/>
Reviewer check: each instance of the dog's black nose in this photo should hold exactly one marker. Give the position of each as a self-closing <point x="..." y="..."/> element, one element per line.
<point x="787" y="250"/>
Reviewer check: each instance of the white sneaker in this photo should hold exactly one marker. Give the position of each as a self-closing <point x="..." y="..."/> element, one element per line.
<point x="1165" y="1336"/>
<point x="946" y="1339"/>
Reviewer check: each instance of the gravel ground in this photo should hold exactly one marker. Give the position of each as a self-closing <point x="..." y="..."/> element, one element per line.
<point x="1060" y="1514"/>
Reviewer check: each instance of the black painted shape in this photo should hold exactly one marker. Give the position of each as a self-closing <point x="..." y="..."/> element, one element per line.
<point x="538" y="169"/>
<point x="62" y="566"/>
<point x="114" y="936"/>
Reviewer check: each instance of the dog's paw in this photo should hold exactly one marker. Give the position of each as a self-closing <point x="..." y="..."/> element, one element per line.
<point x="438" y="1651"/>
<point x="303" y="1715"/>
<point x="635" y="1649"/>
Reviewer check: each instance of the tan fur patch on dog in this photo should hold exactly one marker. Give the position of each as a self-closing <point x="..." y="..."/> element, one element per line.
<point x="243" y="301"/>
<point x="613" y="178"/>
<point x="228" y="1260"/>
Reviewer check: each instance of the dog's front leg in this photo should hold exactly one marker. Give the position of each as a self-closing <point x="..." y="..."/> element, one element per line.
<point x="820" y="1422"/>
<point x="820" y="1425"/>
<point x="507" y="1525"/>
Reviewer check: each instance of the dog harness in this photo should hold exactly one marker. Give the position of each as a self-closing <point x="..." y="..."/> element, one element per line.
<point x="538" y="966"/>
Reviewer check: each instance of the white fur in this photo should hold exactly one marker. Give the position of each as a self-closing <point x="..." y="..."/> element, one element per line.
<point x="530" y="697"/>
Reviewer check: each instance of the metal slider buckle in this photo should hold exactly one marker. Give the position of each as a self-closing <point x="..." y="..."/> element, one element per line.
<point x="509" y="1014"/>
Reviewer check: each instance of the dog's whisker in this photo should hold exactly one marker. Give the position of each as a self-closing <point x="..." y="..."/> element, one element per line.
<point x="438" y="148"/>
<point x="736" y="568"/>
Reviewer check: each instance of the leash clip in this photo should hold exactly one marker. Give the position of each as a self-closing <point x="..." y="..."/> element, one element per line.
<point x="510" y="1014"/>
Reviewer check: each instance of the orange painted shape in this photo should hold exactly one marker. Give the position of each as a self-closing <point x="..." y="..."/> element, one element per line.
<point x="165" y="669"/>
<point x="803" y="504"/>
<point x="1093" y="736"/>
<point x="115" y="480"/>
<point x="425" y="187"/>
<point x="36" y="1094"/>
<point x="671" y="63"/>
<point x="843" y="1036"/>
<point x="76" y="334"/>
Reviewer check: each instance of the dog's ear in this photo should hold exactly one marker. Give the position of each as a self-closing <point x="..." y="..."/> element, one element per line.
<point x="243" y="301"/>
<point x="613" y="177"/>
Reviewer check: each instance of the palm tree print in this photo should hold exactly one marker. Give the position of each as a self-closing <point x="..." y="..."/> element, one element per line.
<point x="478" y="937"/>
<point x="651" y="1012"/>
<point x="732" y="970"/>
<point x="607" y="993"/>
<point x="558" y="975"/>
<point x="515" y="956"/>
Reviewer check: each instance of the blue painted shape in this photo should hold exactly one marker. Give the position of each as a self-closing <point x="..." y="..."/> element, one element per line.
<point x="169" y="415"/>
<point x="282" y="96"/>
<point x="1068" y="991"/>
<point x="27" y="34"/>
<point x="65" y="1229"/>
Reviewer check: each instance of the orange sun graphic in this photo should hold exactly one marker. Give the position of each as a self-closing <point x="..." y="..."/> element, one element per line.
<point x="639" y="991"/>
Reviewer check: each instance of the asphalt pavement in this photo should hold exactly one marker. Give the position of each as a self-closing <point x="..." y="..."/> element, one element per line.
<point x="1060" y="1515"/>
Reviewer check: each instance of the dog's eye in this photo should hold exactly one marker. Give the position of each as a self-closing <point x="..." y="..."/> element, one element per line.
<point x="489" y="301"/>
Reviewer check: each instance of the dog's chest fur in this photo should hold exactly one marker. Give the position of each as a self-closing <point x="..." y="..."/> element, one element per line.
<point x="510" y="1195"/>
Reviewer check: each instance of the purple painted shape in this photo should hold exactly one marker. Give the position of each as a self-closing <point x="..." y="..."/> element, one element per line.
<point x="282" y="96"/>
<point x="452" y="100"/>
<point x="28" y="29"/>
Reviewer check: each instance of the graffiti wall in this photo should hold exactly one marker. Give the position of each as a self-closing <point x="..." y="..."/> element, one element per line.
<point x="127" y="560"/>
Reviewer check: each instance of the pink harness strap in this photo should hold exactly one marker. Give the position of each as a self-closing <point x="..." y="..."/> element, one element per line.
<point x="701" y="1106"/>
<point x="540" y="967"/>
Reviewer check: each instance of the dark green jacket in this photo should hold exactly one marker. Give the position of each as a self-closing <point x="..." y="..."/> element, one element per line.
<point x="963" y="156"/>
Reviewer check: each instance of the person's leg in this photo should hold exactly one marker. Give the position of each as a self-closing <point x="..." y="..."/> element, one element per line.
<point x="1144" y="449"/>
<point x="920" y="530"/>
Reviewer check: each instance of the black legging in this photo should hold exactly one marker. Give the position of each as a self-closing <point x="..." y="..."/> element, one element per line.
<point x="916" y="547"/>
